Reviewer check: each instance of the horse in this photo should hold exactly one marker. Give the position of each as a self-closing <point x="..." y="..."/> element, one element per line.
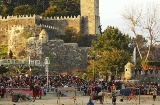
<point x="35" y="92"/>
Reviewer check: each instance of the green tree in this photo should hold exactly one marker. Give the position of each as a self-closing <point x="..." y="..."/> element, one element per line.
<point x="6" y="10"/>
<point x="110" y="52"/>
<point x="112" y="38"/>
<point x="51" y="11"/>
<point x="43" y="7"/>
<point x="38" y="9"/>
<point x="3" y="69"/>
<point x="23" y="10"/>
<point x="70" y="35"/>
<point x="61" y="8"/>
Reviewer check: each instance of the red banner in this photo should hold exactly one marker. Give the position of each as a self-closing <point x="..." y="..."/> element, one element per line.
<point x="22" y="90"/>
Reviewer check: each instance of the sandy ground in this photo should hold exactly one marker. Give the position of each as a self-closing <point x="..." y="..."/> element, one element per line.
<point x="51" y="99"/>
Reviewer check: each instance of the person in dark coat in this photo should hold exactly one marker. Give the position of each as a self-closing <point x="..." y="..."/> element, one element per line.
<point x="35" y="92"/>
<point x="39" y="92"/>
<point x="3" y="91"/>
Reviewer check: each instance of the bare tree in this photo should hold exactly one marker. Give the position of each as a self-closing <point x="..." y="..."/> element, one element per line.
<point x="145" y="22"/>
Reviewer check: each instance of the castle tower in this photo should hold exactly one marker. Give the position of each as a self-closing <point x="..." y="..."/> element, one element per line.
<point x="90" y="16"/>
<point x="43" y="36"/>
<point x="128" y="70"/>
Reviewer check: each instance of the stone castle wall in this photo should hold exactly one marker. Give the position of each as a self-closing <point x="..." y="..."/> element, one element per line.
<point x="59" y="24"/>
<point x="10" y="21"/>
<point x="53" y="26"/>
<point x="65" y="56"/>
<point x="11" y="26"/>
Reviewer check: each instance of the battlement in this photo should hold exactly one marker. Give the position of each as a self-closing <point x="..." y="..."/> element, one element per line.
<point x="61" y="18"/>
<point x="60" y="23"/>
<point x="18" y="17"/>
<point x="38" y="17"/>
<point x="55" y="23"/>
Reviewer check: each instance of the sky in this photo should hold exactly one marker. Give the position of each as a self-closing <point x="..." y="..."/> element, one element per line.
<point x="111" y="10"/>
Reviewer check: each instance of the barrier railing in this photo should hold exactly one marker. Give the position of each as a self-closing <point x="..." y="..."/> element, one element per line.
<point x="11" y="91"/>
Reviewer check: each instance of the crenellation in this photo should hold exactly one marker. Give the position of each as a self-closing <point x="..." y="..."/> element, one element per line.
<point x="75" y="17"/>
<point x="15" y="17"/>
<point x="50" y="18"/>
<point x="8" y="17"/>
<point x="4" y="18"/>
<point x="53" y="18"/>
<point x="58" y="18"/>
<point x="68" y="17"/>
<point x="54" y="27"/>
<point x="34" y="15"/>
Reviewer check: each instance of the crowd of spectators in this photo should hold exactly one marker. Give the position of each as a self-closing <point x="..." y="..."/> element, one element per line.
<point x="149" y="87"/>
<point x="56" y="81"/>
<point x="28" y="81"/>
<point x="70" y="81"/>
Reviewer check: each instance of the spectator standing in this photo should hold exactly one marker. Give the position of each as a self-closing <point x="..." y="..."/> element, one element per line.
<point x="3" y="91"/>
<point x="35" y="92"/>
<point x="85" y="91"/>
<point x="154" y="94"/>
<point x="113" y="98"/>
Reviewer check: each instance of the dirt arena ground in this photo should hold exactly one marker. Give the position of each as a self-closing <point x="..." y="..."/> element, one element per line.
<point x="50" y="99"/>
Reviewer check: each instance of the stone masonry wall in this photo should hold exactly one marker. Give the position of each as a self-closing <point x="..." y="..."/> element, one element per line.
<point x="65" y="56"/>
<point x="90" y="14"/>
<point x="10" y="21"/>
<point x="54" y="26"/>
<point x="61" y="23"/>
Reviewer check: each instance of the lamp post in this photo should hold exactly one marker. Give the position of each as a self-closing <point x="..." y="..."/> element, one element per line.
<point x="93" y="57"/>
<point x="47" y="62"/>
